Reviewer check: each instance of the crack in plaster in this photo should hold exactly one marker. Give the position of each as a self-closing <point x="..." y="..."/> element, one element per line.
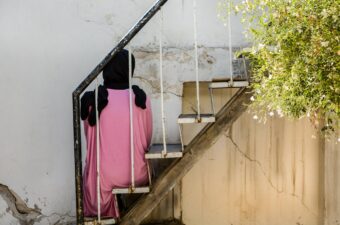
<point x="156" y="90"/>
<point x="179" y="55"/>
<point x="18" y="207"/>
<point x="237" y="148"/>
<point x="61" y="218"/>
<point x="26" y="215"/>
<point x="155" y="87"/>
<point x="258" y="163"/>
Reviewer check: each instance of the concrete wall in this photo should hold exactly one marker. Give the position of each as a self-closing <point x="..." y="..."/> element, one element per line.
<point x="46" y="49"/>
<point x="332" y="181"/>
<point x="281" y="172"/>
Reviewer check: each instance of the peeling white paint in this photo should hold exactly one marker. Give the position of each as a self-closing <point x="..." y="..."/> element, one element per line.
<point x="48" y="47"/>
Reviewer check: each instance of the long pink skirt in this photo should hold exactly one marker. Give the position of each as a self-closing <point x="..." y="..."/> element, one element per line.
<point x="115" y="161"/>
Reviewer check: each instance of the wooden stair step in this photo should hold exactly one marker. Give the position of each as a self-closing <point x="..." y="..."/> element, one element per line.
<point x="193" y="118"/>
<point x="228" y="79"/>
<point x="136" y="190"/>
<point x="156" y="151"/>
<point x="229" y="84"/>
<point x="103" y="221"/>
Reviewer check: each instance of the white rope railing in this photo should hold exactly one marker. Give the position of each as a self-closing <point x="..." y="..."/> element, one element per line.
<point x="212" y="100"/>
<point x="245" y="68"/>
<point x="164" y="152"/>
<point x="181" y="136"/>
<point x="230" y="48"/>
<point x="132" y="147"/>
<point x="196" y="61"/>
<point x="98" y="151"/>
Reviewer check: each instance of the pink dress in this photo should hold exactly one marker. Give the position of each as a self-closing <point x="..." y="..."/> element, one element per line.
<point x="115" y="162"/>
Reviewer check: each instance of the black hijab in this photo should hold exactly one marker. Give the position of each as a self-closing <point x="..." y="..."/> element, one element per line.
<point x="116" y="76"/>
<point x="116" y="72"/>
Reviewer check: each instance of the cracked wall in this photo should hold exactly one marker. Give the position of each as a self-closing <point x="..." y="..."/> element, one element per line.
<point x="278" y="173"/>
<point x="48" y="47"/>
<point x="178" y="68"/>
<point x="22" y="214"/>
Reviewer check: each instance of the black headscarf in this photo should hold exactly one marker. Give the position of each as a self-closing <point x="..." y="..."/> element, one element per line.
<point x="116" y="76"/>
<point x="116" y="72"/>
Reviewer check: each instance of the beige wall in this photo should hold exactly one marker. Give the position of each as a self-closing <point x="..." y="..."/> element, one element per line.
<point x="332" y="181"/>
<point x="266" y="174"/>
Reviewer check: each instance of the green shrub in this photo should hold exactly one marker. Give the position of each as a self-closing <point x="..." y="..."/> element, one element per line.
<point x="295" y="56"/>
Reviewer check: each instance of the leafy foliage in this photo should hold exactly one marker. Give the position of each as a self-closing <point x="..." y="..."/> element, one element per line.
<point x="295" y="56"/>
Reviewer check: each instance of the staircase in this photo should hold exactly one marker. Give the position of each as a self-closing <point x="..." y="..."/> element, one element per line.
<point x="186" y="157"/>
<point x="192" y="154"/>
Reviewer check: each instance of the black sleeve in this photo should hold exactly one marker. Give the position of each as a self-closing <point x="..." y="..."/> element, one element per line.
<point x="140" y="99"/>
<point x="88" y="100"/>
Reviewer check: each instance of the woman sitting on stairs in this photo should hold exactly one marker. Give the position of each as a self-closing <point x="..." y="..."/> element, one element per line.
<point x="115" y="162"/>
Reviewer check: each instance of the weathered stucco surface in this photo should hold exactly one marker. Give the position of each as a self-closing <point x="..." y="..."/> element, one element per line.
<point x="332" y="181"/>
<point x="48" y="47"/>
<point x="272" y="173"/>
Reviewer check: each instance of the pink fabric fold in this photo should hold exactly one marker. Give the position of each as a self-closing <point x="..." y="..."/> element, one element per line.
<point x="115" y="161"/>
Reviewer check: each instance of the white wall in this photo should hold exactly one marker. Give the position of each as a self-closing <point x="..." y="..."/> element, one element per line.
<point x="48" y="47"/>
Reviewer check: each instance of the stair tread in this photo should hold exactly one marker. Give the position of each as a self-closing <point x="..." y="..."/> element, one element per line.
<point x="192" y="115"/>
<point x="170" y="147"/>
<point x="228" y="84"/>
<point x="192" y="118"/>
<point x="228" y="79"/>
<point x="173" y="151"/>
<point x="94" y="220"/>
<point x="144" y="189"/>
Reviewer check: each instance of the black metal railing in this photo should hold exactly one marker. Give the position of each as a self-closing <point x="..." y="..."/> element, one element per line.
<point x="83" y="85"/>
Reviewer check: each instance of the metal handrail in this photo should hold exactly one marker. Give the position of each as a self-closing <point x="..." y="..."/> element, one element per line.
<point x="83" y="85"/>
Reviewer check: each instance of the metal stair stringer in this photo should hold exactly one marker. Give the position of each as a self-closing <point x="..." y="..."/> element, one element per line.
<point x="192" y="154"/>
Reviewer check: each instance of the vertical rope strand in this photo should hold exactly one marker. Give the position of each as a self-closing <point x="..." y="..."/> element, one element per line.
<point x="132" y="147"/>
<point x="230" y="47"/>
<point x="98" y="151"/>
<point x="181" y="136"/>
<point x="212" y="100"/>
<point x="196" y="61"/>
<point x="245" y="68"/>
<point x="161" y="81"/>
